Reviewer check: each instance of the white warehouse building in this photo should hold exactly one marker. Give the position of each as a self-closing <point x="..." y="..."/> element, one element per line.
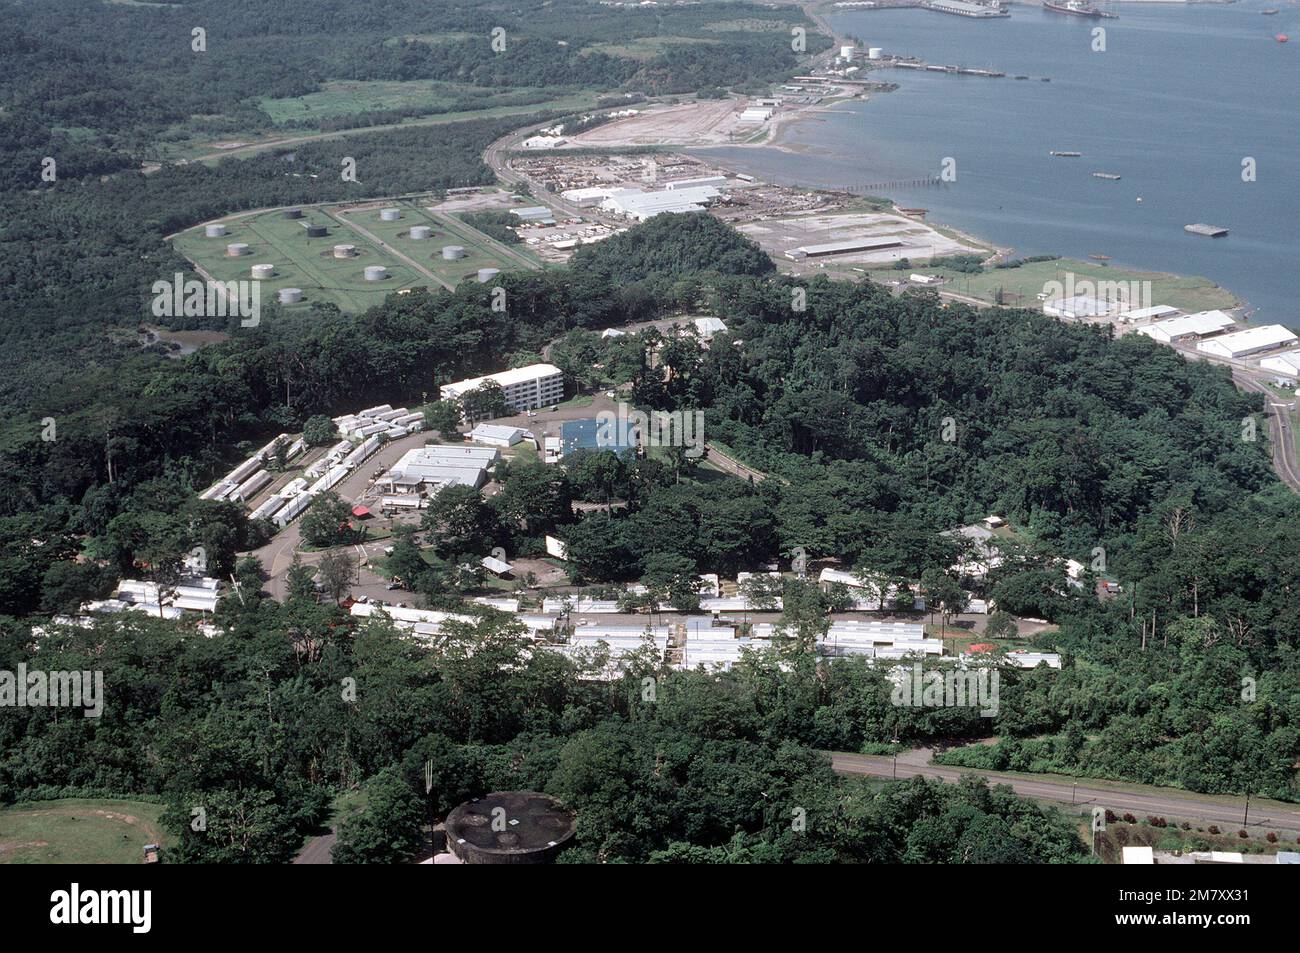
<point x="1196" y="325"/>
<point x="639" y="206"/>
<point x="1287" y="362"/>
<point x="524" y="388"/>
<point x="1249" y="341"/>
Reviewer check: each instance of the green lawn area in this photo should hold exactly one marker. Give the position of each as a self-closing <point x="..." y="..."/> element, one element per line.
<point x="480" y="250"/>
<point x="349" y="97"/>
<point x="300" y="262"/>
<point x="191" y="139"/>
<point x="79" y="831"/>
<point x="309" y="264"/>
<point x="1030" y="279"/>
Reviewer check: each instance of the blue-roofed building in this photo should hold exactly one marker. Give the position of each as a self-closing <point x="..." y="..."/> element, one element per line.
<point x="589" y="434"/>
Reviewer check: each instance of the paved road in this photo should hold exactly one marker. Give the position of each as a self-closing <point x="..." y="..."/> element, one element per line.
<point x="1160" y="802"/>
<point x="1283" y="434"/>
<point x="318" y="850"/>
<point x="495" y="158"/>
<point x="1279" y="408"/>
<point x="731" y="465"/>
<point x="277" y="555"/>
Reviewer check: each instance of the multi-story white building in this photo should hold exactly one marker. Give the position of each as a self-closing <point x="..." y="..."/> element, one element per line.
<point x="524" y="388"/>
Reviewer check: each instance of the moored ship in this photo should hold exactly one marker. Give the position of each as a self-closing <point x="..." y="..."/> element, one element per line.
<point x="1079" y="8"/>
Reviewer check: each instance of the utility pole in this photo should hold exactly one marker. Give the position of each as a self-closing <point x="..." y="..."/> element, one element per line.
<point x="428" y="796"/>
<point x="1247" y="812"/>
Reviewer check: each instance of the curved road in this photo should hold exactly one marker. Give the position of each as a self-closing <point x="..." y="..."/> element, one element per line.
<point x="1160" y="802"/>
<point x="1283" y="433"/>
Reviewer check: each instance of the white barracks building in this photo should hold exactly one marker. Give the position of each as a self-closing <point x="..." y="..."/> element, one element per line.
<point x="524" y="388"/>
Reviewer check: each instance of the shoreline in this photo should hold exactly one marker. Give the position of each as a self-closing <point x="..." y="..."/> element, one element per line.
<point x="778" y="140"/>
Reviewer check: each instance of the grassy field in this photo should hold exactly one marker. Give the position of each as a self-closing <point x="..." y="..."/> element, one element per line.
<point x="308" y="263"/>
<point x="349" y="97"/>
<point x="1029" y="280"/>
<point x="76" y="831"/>
<point x="300" y="262"/>
<point x="189" y="141"/>
<point x="480" y="250"/>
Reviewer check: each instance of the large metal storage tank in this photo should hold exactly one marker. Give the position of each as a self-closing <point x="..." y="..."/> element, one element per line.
<point x="262" y="271"/>
<point x="293" y="213"/>
<point x="376" y="273"/>
<point x="487" y="274"/>
<point x="215" y="231"/>
<point x="235" y="249"/>
<point x="510" y="827"/>
<point x="316" y="231"/>
<point x="290" y="295"/>
<point x="390" y="214"/>
<point x="345" y="251"/>
<point x="421" y="232"/>
<point x="452" y="252"/>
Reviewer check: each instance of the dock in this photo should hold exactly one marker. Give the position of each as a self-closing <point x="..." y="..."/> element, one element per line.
<point x="1200" y="228"/>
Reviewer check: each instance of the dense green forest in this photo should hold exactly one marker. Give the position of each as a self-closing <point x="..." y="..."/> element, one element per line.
<point x="126" y="78"/>
<point x="881" y="422"/>
<point x="1205" y="542"/>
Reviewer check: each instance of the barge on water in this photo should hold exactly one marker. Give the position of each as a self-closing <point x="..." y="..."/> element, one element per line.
<point x="1065" y="155"/>
<point x="1108" y="176"/>
<point x="1200" y="228"/>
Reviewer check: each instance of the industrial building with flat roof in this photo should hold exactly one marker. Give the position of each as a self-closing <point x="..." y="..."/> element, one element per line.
<point x="524" y="388"/>
<point x="495" y="435"/>
<point x="1288" y="362"/>
<point x="1154" y="313"/>
<point x="1248" y="341"/>
<point x="1196" y="325"/>
<point x="434" y="467"/>
<point x="842" y="248"/>
<point x="639" y="206"/>
<point x="1080" y="306"/>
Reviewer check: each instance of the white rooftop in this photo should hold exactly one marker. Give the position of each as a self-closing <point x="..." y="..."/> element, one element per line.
<point x="1156" y="311"/>
<point x="1202" y="322"/>
<point x="1287" y="362"/>
<point x="516" y="375"/>
<point x="1251" y="339"/>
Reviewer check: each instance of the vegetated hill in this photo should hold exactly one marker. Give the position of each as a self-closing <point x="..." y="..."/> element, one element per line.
<point x="674" y="246"/>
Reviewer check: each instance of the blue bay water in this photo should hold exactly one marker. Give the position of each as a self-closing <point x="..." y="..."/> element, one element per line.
<point x="1180" y="96"/>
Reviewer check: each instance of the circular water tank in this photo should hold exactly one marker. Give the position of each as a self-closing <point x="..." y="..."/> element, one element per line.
<point x="290" y="295"/>
<point x="345" y="251"/>
<point x="263" y="271"/>
<point x="376" y="273"/>
<point x="874" y="52"/>
<point x="510" y="827"/>
<point x="293" y="213"/>
<point x="390" y="214"/>
<point x="316" y="231"/>
<point x="215" y="231"/>
<point x="235" y="249"/>
<point x="452" y="252"/>
<point x="421" y="232"/>
<point x="487" y="274"/>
